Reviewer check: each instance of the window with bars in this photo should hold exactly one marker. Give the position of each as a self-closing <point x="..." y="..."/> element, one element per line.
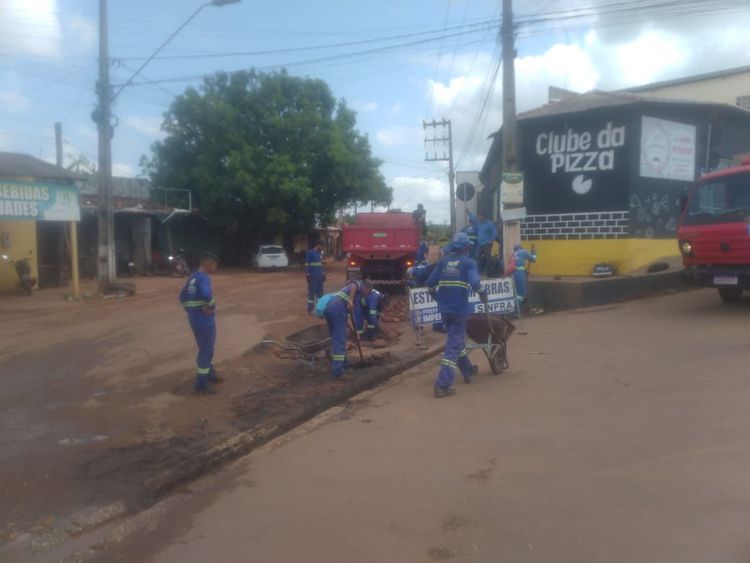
<point x="743" y="102"/>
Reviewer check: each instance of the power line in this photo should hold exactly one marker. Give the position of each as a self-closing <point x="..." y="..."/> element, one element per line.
<point x="329" y="58"/>
<point x="468" y="28"/>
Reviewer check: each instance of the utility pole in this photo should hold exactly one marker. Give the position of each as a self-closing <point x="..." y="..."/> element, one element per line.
<point x="103" y="118"/>
<point x="74" y="274"/>
<point x="431" y="143"/>
<point x="511" y="229"/>
<point x="58" y="144"/>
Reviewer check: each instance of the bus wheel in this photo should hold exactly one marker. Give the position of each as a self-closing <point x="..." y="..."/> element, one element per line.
<point x="730" y="294"/>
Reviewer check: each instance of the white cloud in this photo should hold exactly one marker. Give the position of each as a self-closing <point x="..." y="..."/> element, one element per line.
<point x="88" y="132"/>
<point x="147" y="125"/>
<point x="30" y="27"/>
<point x="399" y="135"/>
<point x="14" y="101"/>
<point x="121" y="169"/>
<point x="83" y="29"/>
<point x="432" y="192"/>
<point x="42" y="28"/>
<point x="397" y="108"/>
<point x="365" y="107"/>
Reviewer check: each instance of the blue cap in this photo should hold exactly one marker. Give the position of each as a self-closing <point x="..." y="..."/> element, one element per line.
<point x="517" y="247"/>
<point x="460" y="240"/>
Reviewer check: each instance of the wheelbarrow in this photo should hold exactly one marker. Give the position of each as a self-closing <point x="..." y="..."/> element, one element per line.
<point x="306" y="343"/>
<point x="490" y="332"/>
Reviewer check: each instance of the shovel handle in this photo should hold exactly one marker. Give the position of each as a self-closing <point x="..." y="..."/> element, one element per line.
<point x="356" y="339"/>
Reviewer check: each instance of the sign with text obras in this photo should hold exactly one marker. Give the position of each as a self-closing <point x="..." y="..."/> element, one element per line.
<point x="39" y="201"/>
<point x="501" y="293"/>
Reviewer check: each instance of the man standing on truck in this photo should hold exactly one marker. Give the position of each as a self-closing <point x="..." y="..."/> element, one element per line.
<point x="419" y="218"/>
<point x="452" y="279"/>
<point x="314" y="275"/>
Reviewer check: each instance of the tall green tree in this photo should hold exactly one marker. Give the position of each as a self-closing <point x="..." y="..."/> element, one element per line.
<point x="266" y="152"/>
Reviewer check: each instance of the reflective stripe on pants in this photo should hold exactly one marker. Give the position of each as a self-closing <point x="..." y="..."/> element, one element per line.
<point x="455" y="355"/>
<point x="314" y="291"/>
<point x="336" y="317"/>
<point x="205" y="338"/>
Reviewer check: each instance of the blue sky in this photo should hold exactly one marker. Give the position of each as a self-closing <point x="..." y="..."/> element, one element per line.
<point x="48" y="52"/>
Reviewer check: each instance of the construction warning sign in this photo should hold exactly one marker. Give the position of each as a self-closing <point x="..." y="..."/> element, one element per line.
<point x="502" y="299"/>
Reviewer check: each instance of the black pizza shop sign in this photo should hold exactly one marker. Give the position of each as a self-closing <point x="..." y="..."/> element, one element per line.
<point x="581" y="152"/>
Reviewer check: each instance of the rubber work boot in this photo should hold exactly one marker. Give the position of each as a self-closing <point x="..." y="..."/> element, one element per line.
<point x="441" y="392"/>
<point x="339" y="376"/>
<point x="202" y="387"/>
<point x="214" y="378"/>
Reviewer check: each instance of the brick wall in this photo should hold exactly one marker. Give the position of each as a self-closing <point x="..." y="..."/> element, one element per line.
<point x="576" y="226"/>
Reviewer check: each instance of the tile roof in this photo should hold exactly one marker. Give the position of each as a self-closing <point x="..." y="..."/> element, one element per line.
<point x="17" y="165"/>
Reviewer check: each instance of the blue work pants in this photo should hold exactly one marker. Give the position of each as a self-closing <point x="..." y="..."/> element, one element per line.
<point x="205" y="338"/>
<point x="314" y="291"/>
<point x="455" y="354"/>
<point x="519" y="280"/>
<point x="336" y="316"/>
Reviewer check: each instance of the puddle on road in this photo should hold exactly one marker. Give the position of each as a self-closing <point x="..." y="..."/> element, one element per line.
<point x="79" y="441"/>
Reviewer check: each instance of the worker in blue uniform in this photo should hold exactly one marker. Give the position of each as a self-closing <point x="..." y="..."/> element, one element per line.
<point x="454" y="277"/>
<point x="521" y="257"/>
<point x="336" y="314"/>
<point x="371" y="305"/>
<point x="198" y="301"/>
<point x="486" y="233"/>
<point x="314" y="275"/>
<point x="422" y="253"/>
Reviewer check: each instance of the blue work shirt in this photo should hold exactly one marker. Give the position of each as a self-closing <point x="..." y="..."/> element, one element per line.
<point x="454" y="277"/>
<point x="422" y="252"/>
<point x="194" y="296"/>
<point x="521" y="256"/>
<point x="314" y="264"/>
<point x="486" y="232"/>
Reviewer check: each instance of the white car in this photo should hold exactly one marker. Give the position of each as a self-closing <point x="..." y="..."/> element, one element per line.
<point x="271" y="257"/>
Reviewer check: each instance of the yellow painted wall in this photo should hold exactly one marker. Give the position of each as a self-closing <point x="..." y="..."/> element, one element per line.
<point x="22" y="241"/>
<point x="722" y="89"/>
<point x="578" y="257"/>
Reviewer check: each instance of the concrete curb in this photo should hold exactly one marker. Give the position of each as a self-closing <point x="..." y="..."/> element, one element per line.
<point x="244" y="442"/>
<point x="563" y="295"/>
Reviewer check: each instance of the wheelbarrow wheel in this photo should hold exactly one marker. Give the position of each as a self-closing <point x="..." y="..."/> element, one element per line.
<point x="498" y="361"/>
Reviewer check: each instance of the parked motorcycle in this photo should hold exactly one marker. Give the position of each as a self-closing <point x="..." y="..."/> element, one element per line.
<point x="179" y="264"/>
<point x="23" y="270"/>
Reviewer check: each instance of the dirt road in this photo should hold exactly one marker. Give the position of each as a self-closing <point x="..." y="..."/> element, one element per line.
<point x="619" y="434"/>
<point x="97" y="396"/>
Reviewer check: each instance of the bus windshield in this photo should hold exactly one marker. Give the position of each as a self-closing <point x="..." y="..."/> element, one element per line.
<point x="720" y="199"/>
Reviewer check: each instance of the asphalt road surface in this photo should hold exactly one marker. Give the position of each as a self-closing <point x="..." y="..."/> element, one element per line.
<point x="619" y="434"/>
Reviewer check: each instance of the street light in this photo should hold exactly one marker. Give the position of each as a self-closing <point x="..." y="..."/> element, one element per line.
<point x="217" y="3"/>
<point x="103" y="116"/>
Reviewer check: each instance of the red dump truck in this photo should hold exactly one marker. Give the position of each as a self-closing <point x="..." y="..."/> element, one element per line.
<point x="381" y="246"/>
<point x="714" y="233"/>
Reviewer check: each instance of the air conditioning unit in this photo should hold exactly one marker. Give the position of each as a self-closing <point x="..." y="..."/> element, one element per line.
<point x="468" y="188"/>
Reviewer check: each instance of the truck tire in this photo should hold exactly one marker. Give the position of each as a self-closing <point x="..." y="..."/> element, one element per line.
<point x="730" y="294"/>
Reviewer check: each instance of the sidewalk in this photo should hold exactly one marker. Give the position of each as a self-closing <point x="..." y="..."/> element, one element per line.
<point x="618" y="435"/>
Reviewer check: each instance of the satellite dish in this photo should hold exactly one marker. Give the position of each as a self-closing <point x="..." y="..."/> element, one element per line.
<point x="465" y="191"/>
